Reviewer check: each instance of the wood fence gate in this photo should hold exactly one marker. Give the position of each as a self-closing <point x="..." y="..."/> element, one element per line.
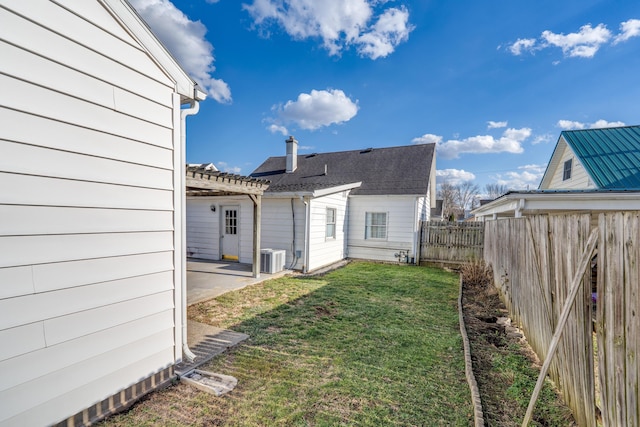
<point x="456" y="242"/>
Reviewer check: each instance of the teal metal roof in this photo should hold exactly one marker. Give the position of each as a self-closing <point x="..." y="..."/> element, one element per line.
<point x="611" y="156"/>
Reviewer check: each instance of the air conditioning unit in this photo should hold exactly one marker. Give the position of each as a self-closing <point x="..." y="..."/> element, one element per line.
<point x="272" y="260"/>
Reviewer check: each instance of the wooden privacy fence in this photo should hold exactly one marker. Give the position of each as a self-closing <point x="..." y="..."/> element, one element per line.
<point x="533" y="261"/>
<point x="442" y="241"/>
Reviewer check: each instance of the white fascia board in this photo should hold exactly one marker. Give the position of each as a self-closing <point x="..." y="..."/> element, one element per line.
<point x="584" y="201"/>
<point x="499" y="206"/>
<point x="311" y="194"/>
<point x="287" y="194"/>
<point x="562" y="201"/>
<point x="336" y="189"/>
<point x="553" y="163"/>
<point x="138" y="28"/>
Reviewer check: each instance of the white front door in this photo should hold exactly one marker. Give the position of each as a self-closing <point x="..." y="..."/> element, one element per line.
<point x="229" y="237"/>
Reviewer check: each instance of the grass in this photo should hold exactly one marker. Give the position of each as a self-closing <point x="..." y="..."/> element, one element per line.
<point x="505" y="367"/>
<point x="369" y="344"/>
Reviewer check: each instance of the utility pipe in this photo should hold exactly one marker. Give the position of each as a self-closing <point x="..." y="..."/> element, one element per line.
<point x="193" y="108"/>
<point x="307" y="218"/>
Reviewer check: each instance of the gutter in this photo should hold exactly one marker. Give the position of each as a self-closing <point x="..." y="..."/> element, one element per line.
<point x="193" y="108"/>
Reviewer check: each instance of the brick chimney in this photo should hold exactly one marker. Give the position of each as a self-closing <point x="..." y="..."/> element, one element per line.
<point x="292" y="154"/>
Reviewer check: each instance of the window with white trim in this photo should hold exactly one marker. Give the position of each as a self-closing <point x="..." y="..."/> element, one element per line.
<point x="566" y="173"/>
<point x="375" y="225"/>
<point x="331" y="224"/>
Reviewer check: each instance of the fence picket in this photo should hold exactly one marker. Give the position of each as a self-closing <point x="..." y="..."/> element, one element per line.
<point x="451" y="242"/>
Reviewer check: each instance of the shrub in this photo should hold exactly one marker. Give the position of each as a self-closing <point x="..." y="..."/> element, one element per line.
<point x="477" y="273"/>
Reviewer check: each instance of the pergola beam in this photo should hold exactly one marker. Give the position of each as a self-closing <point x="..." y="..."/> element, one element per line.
<point x="202" y="183"/>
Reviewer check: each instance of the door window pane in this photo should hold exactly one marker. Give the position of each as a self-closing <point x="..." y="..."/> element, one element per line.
<point x="231" y="221"/>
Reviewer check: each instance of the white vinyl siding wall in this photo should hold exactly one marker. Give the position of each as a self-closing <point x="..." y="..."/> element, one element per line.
<point x="277" y="230"/>
<point x="203" y="227"/>
<point x="402" y="226"/>
<point x="322" y="250"/>
<point x="579" y="178"/>
<point x="88" y="229"/>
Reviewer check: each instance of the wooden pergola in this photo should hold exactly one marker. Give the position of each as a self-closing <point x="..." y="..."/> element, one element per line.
<point x="203" y="182"/>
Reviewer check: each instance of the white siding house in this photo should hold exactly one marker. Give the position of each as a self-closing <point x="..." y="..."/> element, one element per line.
<point x="297" y="224"/>
<point x="594" y="170"/>
<point x="400" y="236"/>
<point x="205" y="225"/>
<point x="395" y="186"/>
<point x="566" y="171"/>
<point x="91" y="258"/>
<point x="328" y="225"/>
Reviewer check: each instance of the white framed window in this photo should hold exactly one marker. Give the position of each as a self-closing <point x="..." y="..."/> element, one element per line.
<point x="331" y="224"/>
<point x="566" y="173"/>
<point x="375" y="225"/>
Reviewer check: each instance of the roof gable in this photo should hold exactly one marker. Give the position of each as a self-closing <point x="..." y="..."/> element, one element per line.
<point x="611" y="156"/>
<point x="382" y="171"/>
<point x="131" y="21"/>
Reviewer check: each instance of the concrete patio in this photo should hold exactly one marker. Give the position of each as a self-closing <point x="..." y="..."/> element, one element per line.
<point x="209" y="279"/>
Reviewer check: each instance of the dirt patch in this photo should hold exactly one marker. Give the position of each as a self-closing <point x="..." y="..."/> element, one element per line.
<point x="495" y="347"/>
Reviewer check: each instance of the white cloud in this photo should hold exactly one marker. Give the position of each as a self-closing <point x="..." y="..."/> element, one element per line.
<point x="427" y="138"/>
<point x="185" y="39"/>
<point x="522" y="44"/>
<point x="542" y="139"/>
<point x="510" y="142"/>
<point x="391" y="29"/>
<point x="496" y="125"/>
<point x="453" y="176"/>
<point x="605" y="124"/>
<point x="571" y="125"/>
<point x="340" y="24"/>
<point x="584" y="43"/>
<point x="224" y="167"/>
<point x="278" y="129"/>
<point x="526" y="178"/>
<point x="628" y="29"/>
<point x="318" y="108"/>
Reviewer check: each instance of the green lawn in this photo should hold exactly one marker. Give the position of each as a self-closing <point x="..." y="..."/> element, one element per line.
<point x="368" y="344"/>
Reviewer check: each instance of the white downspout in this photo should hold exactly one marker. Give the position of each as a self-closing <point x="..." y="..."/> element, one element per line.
<point x="305" y="266"/>
<point x="193" y="109"/>
<point x="416" y="230"/>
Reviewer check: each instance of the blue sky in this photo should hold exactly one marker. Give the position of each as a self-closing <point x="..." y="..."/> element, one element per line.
<point x="493" y="83"/>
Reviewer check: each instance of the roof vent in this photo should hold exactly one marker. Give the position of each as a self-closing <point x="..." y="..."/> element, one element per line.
<point x="366" y="150"/>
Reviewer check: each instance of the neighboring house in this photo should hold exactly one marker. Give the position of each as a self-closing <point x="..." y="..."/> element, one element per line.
<point x="222" y="209"/>
<point x="595" y="170"/>
<point x="605" y="159"/>
<point x="364" y="204"/>
<point x="322" y="208"/>
<point x="91" y="241"/>
<point x="437" y="213"/>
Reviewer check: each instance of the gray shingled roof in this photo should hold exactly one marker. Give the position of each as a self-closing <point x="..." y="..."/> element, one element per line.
<point x="392" y="170"/>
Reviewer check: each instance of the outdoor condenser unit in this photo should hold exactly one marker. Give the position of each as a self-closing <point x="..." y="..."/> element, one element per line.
<point x="272" y="260"/>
